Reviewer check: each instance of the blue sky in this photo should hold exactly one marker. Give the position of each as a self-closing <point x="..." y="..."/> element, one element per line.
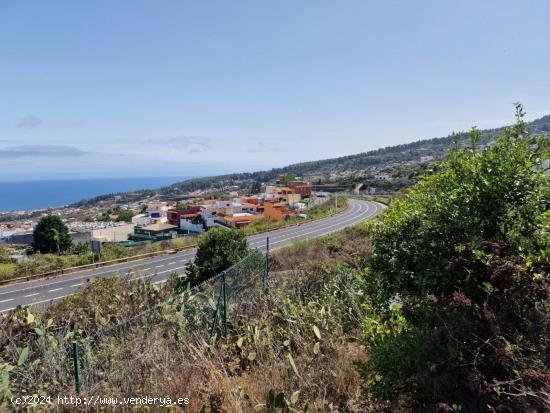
<point x="176" y="88"/>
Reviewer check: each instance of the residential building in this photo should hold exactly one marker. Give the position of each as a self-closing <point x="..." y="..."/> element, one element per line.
<point x="276" y="210"/>
<point x="174" y="216"/>
<point x="300" y="187"/>
<point x="187" y="224"/>
<point x="156" y="232"/>
<point x="238" y="220"/>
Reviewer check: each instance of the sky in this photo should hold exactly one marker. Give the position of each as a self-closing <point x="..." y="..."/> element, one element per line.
<point x="93" y="89"/>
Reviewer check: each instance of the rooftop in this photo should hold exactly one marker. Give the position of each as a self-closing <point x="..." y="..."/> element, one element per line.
<point x="159" y="227"/>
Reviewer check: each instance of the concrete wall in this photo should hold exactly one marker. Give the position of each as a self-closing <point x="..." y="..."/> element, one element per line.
<point x="113" y="234"/>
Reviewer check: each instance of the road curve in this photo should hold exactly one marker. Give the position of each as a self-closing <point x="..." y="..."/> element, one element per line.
<point x="45" y="291"/>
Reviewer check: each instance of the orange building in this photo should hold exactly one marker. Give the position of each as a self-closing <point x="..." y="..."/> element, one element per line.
<point x="276" y="210"/>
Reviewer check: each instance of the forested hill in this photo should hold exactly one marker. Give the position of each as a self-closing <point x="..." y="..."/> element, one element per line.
<point x="435" y="147"/>
<point x="410" y="151"/>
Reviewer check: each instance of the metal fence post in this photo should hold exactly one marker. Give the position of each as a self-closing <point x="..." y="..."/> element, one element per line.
<point x="266" y="272"/>
<point x="216" y="312"/>
<point x="76" y="367"/>
<point x="224" y="305"/>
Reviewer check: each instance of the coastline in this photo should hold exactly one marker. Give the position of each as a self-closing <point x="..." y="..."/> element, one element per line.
<point x="28" y="197"/>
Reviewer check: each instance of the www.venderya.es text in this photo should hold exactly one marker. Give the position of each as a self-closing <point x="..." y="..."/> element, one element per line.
<point x="100" y="401"/>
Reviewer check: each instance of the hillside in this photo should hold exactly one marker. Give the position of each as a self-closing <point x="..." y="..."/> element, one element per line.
<point x="436" y="147"/>
<point x="439" y="305"/>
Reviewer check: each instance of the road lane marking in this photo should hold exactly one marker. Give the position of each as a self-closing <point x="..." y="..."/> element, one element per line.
<point x="31" y="295"/>
<point x="75" y="285"/>
<point x="55" y="289"/>
<point x="5" y="301"/>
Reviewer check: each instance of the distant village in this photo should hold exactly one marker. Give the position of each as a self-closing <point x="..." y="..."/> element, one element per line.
<point x="153" y="219"/>
<point x="157" y="220"/>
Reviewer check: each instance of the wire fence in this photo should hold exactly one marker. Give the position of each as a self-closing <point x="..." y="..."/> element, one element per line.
<point x="201" y="314"/>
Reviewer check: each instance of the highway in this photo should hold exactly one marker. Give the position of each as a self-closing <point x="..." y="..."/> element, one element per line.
<point x="43" y="292"/>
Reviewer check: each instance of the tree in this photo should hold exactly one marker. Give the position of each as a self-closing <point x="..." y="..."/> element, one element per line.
<point x="284" y="180"/>
<point x="217" y="250"/>
<point x="51" y="235"/>
<point x="459" y="287"/>
<point x="125" y="216"/>
<point x="256" y="188"/>
<point x="181" y="206"/>
<point x="81" y="248"/>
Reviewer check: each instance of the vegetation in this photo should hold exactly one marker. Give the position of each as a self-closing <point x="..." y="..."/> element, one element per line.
<point x="441" y="305"/>
<point x="51" y="235"/>
<point x="6" y="270"/>
<point x="217" y="250"/>
<point x="125" y="216"/>
<point x="459" y="284"/>
<point x="303" y="337"/>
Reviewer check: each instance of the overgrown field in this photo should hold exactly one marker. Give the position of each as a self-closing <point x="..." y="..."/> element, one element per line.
<point x="296" y="351"/>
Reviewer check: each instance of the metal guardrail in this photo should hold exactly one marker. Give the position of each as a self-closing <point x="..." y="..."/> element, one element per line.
<point x="100" y="264"/>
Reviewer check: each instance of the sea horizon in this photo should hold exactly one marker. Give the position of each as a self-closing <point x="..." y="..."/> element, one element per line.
<point x="50" y="193"/>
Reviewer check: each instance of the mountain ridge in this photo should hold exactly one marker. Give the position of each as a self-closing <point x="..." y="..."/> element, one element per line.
<point x="435" y="147"/>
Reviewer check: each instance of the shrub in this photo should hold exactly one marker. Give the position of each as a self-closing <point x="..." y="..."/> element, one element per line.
<point x="459" y="286"/>
<point x="217" y="250"/>
<point x="7" y="270"/>
<point x="113" y="251"/>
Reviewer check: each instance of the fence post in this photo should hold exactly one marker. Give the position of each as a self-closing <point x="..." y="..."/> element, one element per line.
<point x="76" y="368"/>
<point x="216" y="312"/>
<point x="266" y="272"/>
<point x="224" y="305"/>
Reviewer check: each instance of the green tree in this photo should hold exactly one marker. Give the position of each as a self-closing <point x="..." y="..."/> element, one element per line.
<point x="81" y="248"/>
<point x="256" y="188"/>
<point x="217" y="250"/>
<point x="51" y="235"/>
<point x="125" y="216"/>
<point x="284" y="180"/>
<point x="181" y="206"/>
<point x="459" y="284"/>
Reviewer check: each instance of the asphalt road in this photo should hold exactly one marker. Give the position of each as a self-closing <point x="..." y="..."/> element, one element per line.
<point x="46" y="291"/>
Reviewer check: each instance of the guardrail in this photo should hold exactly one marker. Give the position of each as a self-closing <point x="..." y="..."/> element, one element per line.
<point x="100" y="264"/>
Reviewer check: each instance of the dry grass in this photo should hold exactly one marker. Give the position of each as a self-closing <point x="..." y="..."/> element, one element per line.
<point x="298" y="344"/>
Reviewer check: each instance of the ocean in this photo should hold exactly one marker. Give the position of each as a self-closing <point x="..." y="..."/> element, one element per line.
<point x="26" y="195"/>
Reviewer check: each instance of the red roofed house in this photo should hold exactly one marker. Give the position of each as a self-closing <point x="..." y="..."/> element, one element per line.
<point x="175" y="216"/>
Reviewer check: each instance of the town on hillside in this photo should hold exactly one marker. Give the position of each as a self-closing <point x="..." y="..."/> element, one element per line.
<point x="152" y="220"/>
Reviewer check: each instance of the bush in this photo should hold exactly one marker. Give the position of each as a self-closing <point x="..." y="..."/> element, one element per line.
<point x="113" y="251"/>
<point x="458" y="284"/>
<point x="217" y="250"/>
<point x="7" y="270"/>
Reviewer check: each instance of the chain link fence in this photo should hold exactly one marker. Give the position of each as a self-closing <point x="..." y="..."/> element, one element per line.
<point x="201" y="314"/>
